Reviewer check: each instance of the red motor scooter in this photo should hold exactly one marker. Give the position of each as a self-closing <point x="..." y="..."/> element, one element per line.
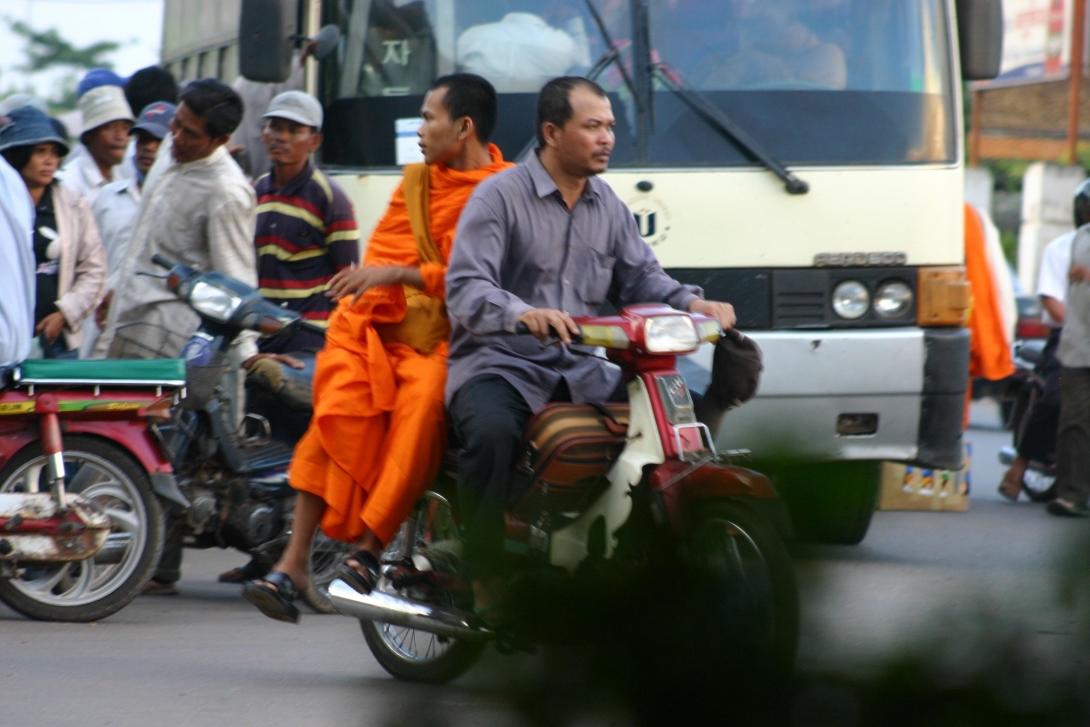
<point x="605" y="488"/>
<point x="81" y="473"/>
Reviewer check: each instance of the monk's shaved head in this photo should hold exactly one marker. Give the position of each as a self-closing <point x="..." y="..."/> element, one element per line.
<point x="469" y="95"/>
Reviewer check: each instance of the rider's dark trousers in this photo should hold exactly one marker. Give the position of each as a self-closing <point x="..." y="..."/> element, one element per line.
<point x="488" y="416"/>
<point x="1037" y="438"/>
<point x="1072" y="462"/>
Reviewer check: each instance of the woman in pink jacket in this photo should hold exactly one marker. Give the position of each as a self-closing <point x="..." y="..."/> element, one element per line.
<point x="69" y="258"/>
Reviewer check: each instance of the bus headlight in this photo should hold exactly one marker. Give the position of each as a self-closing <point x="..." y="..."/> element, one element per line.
<point x="851" y="299"/>
<point x="893" y="299"/>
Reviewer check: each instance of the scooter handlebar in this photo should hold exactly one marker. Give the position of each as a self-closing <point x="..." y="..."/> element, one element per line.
<point x="521" y="329"/>
<point x="162" y="262"/>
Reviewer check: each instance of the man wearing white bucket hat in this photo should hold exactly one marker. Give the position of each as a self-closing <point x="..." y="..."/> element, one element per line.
<point x="106" y="120"/>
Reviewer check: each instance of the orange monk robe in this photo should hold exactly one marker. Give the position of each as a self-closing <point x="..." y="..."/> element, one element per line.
<point x="377" y="434"/>
<point x="989" y="345"/>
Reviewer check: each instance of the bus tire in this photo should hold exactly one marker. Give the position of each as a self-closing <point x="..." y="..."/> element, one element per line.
<point x="831" y="503"/>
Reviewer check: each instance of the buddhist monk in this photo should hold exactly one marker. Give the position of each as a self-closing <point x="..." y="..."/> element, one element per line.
<point x="378" y="431"/>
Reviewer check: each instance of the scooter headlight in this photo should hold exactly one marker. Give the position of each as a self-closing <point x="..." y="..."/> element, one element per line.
<point x="213" y="301"/>
<point x="670" y="334"/>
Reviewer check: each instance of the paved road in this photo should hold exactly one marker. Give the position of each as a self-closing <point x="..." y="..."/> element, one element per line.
<point x="967" y="591"/>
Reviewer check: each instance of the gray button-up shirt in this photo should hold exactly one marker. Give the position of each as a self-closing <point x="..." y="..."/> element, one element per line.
<point x="519" y="247"/>
<point x="1074" y="350"/>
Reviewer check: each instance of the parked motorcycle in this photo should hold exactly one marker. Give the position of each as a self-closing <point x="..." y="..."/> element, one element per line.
<point x="233" y="478"/>
<point x="607" y="487"/>
<point x="82" y="471"/>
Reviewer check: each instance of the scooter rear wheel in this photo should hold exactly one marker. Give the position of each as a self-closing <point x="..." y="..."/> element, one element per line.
<point x="91" y="589"/>
<point x="412" y="654"/>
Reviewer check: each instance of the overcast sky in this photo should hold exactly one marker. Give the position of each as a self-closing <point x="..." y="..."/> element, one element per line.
<point x="135" y="24"/>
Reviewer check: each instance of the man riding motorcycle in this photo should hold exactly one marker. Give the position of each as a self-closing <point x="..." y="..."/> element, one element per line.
<point x="534" y="246"/>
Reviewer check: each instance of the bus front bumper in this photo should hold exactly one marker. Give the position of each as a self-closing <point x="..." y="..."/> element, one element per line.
<point x="910" y="382"/>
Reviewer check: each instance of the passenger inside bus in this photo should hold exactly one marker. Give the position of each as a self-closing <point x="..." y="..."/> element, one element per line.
<point x="518" y="51"/>
<point x="777" y="49"/>
<point x="762" y="44"/>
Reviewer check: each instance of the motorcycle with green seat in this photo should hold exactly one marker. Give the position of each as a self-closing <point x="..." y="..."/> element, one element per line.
<point x="82" y="475"/>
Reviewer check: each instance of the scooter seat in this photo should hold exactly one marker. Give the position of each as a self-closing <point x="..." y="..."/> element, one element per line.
<point x="569" y="450"/>
<point x="101" y="372"/>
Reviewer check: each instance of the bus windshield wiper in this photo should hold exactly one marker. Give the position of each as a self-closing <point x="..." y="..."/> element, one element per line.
<point x="611" y="55"/>
<point x="728" y="129"/>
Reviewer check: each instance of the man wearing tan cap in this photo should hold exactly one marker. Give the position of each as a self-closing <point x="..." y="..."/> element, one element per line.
<point x="105" y="137"/>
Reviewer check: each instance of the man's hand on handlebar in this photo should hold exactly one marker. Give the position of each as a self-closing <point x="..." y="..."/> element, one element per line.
<point x="722" y="312"/>
<point x="544" y="322"/>
<point x="289" y="361"/>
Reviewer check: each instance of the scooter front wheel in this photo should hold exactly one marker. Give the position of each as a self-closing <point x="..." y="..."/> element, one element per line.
<point x="747" y="583"/>
<point x="94" y="588"/>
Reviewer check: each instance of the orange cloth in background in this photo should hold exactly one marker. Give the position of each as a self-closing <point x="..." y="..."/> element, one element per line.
<point x="377" y="434"/>
<point x="990" y="347"/>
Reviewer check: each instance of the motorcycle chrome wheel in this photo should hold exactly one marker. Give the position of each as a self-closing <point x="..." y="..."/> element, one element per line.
<point x="91" y="589"/>
<point x="413" y="654"/>
<point x="325" y="555"/>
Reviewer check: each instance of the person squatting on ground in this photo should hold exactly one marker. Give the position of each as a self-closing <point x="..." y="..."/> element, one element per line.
<point x="377" y="434"/>
<point x="536" y="245"/>
<point x="1036" y="436"/>
<point x="71" y="264"/>
<point x="306" y="233"/>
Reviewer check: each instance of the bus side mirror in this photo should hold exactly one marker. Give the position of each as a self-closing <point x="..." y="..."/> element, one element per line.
<point x="265" y="39"/>
<point x="980" y="38"/>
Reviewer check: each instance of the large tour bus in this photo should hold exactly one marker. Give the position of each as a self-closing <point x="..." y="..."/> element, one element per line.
<point x="801" y="159"/>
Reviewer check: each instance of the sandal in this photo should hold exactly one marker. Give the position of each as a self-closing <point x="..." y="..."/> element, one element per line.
<point x="1010" y="487"/>
<point x="364" y="575"/>
<point x="248" y="572"/>
<point x="274" y="596"/>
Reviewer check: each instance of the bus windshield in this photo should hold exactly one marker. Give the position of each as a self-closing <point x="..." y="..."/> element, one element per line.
<point x="815" y="82"/>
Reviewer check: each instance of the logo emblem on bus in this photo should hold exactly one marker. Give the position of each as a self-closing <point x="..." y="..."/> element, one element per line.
<point x="652" y="219"/>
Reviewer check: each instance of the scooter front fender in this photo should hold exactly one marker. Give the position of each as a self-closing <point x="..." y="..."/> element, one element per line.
<point x="678" y="485"/>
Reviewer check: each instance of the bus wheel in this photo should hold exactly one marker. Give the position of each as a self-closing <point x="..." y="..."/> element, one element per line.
<point x="833" y="502"/>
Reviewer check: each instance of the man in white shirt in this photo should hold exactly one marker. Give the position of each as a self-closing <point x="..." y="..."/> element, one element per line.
<point x="106" y="120"/>
<point x="199" y="210"/>
<point x="17" y="262"/>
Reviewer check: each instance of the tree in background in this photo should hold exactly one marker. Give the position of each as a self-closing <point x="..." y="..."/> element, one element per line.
<point x="46" y="50"/>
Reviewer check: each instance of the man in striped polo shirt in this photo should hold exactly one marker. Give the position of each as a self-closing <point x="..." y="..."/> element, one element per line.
<point x="306" y="232"/>
<point x="306" y="229"/>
